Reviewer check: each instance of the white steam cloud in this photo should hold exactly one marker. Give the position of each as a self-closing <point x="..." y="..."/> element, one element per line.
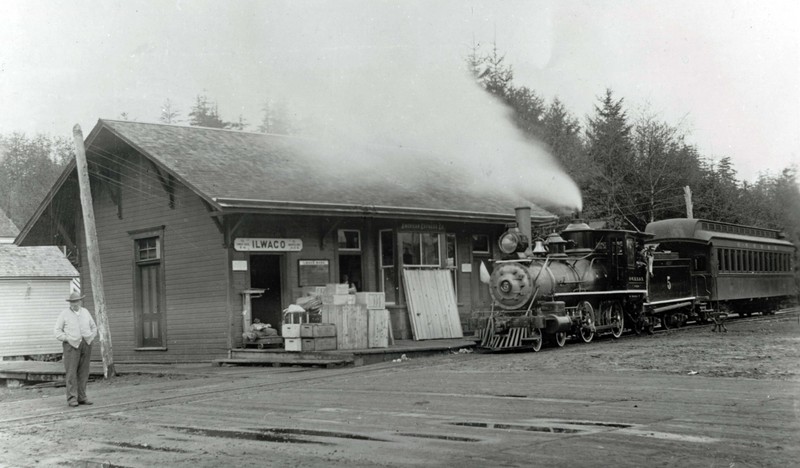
<point x="396" y="97"/>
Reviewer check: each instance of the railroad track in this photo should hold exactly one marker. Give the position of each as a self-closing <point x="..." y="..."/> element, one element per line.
<point x="779" y="315"/>
<point x="211" y="388"/>
<point x="215" y="384"/>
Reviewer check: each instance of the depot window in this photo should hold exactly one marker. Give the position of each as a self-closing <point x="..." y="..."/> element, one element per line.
<point x="420" y="248"/>
<point x="480" y="244"/>
<point x="349" y="240"/>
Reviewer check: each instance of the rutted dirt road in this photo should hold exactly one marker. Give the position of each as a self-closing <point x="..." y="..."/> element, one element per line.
<point x="687" y="397"/>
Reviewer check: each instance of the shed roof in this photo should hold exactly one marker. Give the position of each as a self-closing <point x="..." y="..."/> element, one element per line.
<point x="44" y="261"/>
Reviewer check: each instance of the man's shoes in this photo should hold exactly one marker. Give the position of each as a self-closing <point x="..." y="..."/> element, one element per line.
<point x="85" y="402"/>
<point x="73" y="403"/>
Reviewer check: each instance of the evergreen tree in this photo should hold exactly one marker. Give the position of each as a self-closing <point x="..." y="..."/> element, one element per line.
<point x="204" y="113"/>
<point x="562" y="133"/>
<point x="28" y="168"/>
<point x="609" y="147"/>
<point x="169" y="114"/>
<point x="276" y="118"/>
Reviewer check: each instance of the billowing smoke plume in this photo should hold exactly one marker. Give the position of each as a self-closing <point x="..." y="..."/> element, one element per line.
<point x="395" y="98"/>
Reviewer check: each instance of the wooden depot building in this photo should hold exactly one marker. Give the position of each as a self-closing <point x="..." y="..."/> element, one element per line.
<point x="189" y="219"/>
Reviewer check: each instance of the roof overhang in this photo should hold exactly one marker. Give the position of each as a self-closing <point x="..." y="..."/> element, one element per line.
<point x="232" y="206"/>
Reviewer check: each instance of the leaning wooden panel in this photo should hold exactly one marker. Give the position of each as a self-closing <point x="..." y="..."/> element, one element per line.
<point x="432" y="306"/>
<point x="378" y="328"/>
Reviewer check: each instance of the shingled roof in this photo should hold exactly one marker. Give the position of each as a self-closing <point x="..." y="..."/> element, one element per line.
<point x="242" y="171"/>
<point x="26" y="262"/>
<point x="234" y="168"/>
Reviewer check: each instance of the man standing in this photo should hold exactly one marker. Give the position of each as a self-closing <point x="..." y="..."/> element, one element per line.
<point x="75" y="327"/>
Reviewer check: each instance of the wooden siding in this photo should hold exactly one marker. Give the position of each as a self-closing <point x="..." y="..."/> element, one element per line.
<point x="28" y="312"/>
<point x="195" y="261"/>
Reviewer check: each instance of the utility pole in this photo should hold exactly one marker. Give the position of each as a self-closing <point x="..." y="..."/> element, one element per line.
<point x="93" y="253"/>
<point x="687" y="196"/>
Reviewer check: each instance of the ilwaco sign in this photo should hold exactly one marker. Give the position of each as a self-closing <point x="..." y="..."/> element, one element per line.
<point x="269" y="244"/>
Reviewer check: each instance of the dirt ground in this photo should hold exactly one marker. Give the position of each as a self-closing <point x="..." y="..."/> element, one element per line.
<point x="684" y="397"/>
<point x="760" y="347"/>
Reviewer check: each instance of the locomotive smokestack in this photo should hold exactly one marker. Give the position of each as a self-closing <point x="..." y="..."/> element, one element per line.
<point x="523" y="215"/>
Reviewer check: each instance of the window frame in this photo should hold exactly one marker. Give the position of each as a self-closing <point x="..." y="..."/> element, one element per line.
<point x="488" y="250"/>
<point x="349" y="249"/>
<point x="392" y="266"/>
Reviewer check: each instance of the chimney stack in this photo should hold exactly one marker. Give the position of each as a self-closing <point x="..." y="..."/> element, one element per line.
<point x="523" y="215"/>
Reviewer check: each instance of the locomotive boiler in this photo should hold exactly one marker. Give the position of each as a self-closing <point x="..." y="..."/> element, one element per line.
<point x="580" y="282"/>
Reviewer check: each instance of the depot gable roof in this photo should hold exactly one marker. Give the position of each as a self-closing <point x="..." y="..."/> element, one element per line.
<point x="241" y="171"/>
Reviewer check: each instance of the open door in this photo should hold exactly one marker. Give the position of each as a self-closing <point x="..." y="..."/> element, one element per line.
<point x="265" y="273"/>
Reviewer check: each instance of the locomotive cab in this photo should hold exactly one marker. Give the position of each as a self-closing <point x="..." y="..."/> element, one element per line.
<point x="619" y="251"/>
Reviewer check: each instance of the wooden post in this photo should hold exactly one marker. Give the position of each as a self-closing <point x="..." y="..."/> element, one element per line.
<point x="93" y="253"/>
<point x="687" y="196"/>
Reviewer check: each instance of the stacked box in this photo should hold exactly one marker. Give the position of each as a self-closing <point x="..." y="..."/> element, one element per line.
<point x="325" y="343"/>
<point x="317" y="330"/>
<point x="313" y="290"/>
<point x="338" y="299"/>
<point x="351" y="324"/>
<point x="373" y="300"/>
<point x="291" y="330"/>
<point x="336" y="288"/>
<point x="378" y="329"/>
<point x="310" y="337"/>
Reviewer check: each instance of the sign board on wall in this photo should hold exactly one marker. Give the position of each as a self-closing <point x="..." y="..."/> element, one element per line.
<point x="267" y="244"/>
<point x="313" y="272"/>
<point x="239" y="265"/>
<point x="422" y="227"/>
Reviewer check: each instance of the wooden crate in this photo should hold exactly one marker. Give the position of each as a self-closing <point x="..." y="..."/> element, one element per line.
<point x="338" y="299"/>
<point x="312" y="290"/>
<point x="324" y="343"/>
<point x="317" y="330"/>
<point x="378" y="336"/>
<point x="327" y="343"/>
<point x="336" y="288"/>
<point x="373" y="300"/>
<point x="351" y="323"/>
<point x="291" y="330"/>
<point x="293" y="344"/>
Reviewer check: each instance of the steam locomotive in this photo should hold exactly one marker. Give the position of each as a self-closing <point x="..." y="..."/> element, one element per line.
<point x="584" y="282"/>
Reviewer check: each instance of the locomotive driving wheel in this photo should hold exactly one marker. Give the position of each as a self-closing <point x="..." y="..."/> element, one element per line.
<point x="616" y="318"/>
<point x="535" y="339"/>
<point x="586" y="312"/>
<point x="560" y="339"/>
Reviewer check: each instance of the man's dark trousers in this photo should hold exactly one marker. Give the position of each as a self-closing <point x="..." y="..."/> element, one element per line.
<point x="76" y="365"/>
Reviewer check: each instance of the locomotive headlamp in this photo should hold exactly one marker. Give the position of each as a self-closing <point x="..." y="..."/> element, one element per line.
<point x="512" y="241"/>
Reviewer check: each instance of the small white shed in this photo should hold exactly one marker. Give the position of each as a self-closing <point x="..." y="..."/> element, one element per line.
<point x="34" y="285"/>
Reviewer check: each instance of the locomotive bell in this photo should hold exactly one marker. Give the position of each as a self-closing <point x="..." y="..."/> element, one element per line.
<point x="539" y="248"/>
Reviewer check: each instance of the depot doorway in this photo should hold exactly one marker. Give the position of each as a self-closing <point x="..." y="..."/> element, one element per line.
<point x="350" y="268"/>
<point x="265" y="273"/>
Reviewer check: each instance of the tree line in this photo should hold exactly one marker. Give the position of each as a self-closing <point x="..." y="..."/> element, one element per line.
<point x="631" y="169"/>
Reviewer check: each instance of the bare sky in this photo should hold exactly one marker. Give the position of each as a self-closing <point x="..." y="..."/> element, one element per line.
<point x="727" y="72"/>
